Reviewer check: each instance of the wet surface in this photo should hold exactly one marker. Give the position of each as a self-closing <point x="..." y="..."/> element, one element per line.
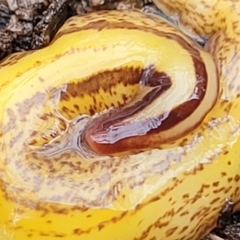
<point x="30" y="24"/>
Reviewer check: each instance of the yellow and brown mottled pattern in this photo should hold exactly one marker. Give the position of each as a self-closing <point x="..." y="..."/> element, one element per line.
<point x="50" y="127"/>
<point x="179" y="113"/>
<point x="171" y="193"/>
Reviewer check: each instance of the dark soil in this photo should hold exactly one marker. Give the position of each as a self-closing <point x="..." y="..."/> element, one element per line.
<point x="30" y="24"/>
<point x="230" y="229"/>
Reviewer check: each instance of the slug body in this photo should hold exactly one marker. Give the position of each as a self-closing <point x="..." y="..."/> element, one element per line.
<point x="122" y="128"/>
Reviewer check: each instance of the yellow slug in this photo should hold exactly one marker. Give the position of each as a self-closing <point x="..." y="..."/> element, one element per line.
<point x="122" y="128"/>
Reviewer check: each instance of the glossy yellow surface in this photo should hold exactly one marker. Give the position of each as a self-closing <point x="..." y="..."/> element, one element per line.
<point x="173" y="193"/>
